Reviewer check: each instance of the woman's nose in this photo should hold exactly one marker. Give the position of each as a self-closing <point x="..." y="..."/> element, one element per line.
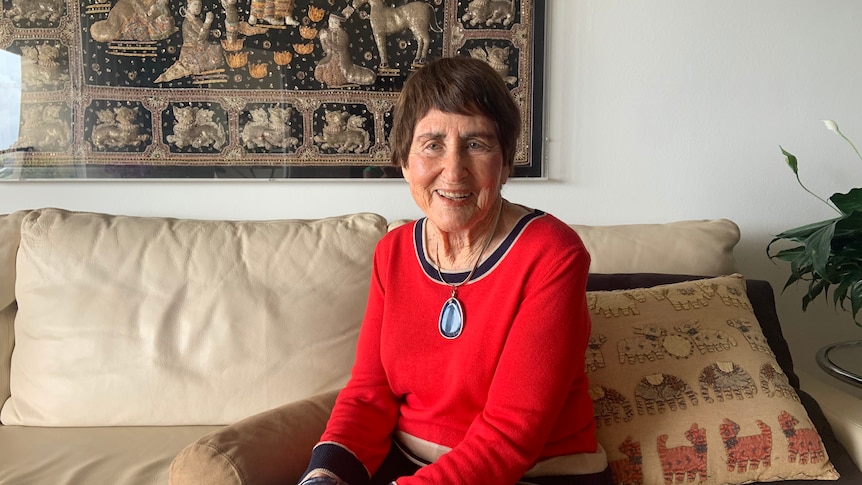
<point x="454" y="165"/>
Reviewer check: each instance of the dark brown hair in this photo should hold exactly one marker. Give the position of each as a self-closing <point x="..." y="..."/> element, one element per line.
<point x="461" y="85"/>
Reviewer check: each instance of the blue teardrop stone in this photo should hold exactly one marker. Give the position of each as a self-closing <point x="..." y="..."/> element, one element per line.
<point x="451" y="318"/>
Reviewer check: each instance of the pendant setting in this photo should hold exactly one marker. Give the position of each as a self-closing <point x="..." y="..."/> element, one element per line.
<point x="451" y="322"/>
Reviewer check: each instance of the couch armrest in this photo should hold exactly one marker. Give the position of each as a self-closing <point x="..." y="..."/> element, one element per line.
<point x="273" y="447"/>
<point x="7" y="344"/>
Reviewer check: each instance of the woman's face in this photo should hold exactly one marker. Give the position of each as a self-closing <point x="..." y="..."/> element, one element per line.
<point x="455" y="169"/>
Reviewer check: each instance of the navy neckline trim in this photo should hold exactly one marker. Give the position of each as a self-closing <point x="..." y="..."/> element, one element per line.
<point x="482" y="269"/>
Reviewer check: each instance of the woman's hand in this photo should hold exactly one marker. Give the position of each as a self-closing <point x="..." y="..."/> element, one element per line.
<point x="320" y="477"/>
<point x="321" y="480"/>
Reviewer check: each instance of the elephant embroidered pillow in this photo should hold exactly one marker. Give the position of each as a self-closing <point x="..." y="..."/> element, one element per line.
<point x="687" y="390"/>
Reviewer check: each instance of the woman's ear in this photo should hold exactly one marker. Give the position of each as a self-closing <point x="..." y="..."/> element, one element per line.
<point x="504" y="176"/>
<point x="405" y="172"/>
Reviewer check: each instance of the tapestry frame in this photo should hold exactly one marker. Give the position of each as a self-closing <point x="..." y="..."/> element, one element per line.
<point x="244" y="89"/>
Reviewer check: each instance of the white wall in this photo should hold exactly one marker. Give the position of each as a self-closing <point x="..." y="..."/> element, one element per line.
<point x="657" y="111"/>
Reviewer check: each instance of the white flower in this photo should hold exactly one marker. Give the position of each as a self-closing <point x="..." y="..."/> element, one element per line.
<point x="833" y="127"/>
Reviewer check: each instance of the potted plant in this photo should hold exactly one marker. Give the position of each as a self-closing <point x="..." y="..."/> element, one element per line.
<point x="828" y="255"/>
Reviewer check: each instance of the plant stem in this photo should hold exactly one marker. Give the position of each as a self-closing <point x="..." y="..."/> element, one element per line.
<point x="851" y="144"/>
<point x="815" y="195"/>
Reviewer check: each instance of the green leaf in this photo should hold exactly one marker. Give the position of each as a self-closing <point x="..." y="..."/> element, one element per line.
<point x="814" y="288"/>
<point x="849" y="202"/>
<point x="801" y="267"/>
<point x="791" y="160"/>
<point x="793" y="278"/>
<point x="789" y="254"/>
<point x="847" y="231"/>
<point x="801" y="233"/>
<point x="840" y="294"/>
<point x="856" y="300"/>
<point x="819" y="245"/>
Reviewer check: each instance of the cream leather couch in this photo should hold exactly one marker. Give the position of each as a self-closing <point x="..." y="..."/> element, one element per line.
<point x="123" y="340"/>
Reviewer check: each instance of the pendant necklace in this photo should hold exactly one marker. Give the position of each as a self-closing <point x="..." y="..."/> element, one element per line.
<point x="452" y="318"/>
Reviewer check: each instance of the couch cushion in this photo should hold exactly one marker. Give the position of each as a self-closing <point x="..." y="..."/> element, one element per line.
<point x="687" y="247"/>
<point x="685" y="384"/>
<point x="153" y="321"/>
<point x="84" y="456"/>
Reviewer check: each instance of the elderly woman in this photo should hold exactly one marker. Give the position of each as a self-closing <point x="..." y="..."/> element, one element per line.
<point x="470" y="361"/>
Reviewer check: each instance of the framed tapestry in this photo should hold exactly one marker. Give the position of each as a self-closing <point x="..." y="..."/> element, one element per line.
<point x="240" y="88"/>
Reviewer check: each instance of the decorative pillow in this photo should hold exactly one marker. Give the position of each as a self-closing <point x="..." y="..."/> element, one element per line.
<point x="687" y="389"/>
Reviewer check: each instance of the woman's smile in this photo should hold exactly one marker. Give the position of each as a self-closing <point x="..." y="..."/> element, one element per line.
<point x="454" y="196"/>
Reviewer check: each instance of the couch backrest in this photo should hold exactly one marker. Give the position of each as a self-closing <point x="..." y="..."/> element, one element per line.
<point x="180" y="301"/>
<point x="700" y="247"/>
<point x="156" y="321"/>
<point x="703" y="247"/>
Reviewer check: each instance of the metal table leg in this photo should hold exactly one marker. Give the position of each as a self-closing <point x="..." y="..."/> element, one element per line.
<point x="833" y="369"/>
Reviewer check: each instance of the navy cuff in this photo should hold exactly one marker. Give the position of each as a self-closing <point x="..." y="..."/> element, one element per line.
<point x="321" y="481"/>
<point x="339" y="461"/>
